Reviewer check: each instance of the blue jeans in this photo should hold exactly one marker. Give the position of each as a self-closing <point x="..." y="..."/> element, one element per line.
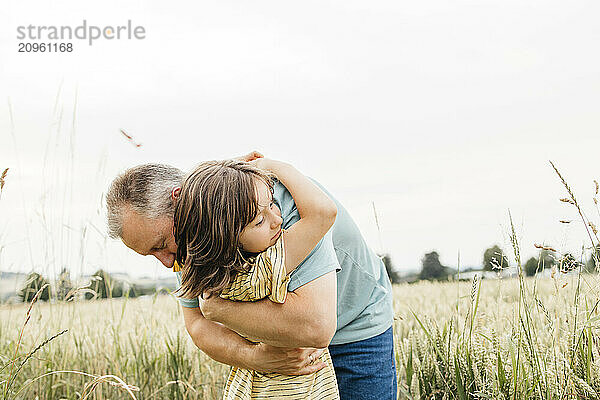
<point x="366" y="369"/>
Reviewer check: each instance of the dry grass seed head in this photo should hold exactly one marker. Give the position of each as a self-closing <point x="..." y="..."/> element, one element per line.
<point x="3" y="178"/>
<point x="540" y="246"/>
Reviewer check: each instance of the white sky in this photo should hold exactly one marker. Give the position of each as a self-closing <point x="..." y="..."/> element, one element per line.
<point x="443" y="113"/>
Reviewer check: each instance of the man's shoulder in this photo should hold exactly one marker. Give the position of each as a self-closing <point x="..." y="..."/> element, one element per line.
<point x="286" y="204"/>
<point x="321" y="260"/>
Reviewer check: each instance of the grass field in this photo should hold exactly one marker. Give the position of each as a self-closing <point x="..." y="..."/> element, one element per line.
<point x="519" y="338"/>
<point x="481" y="339"/>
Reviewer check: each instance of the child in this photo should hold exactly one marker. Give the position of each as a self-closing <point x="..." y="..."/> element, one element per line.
<point x="231" y="244"/>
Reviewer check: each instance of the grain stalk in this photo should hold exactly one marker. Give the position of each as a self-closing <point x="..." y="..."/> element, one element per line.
<point x="11" y="377"/>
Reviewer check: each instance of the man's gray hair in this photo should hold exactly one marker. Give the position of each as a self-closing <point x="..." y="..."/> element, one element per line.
<point x="146" y="189"/>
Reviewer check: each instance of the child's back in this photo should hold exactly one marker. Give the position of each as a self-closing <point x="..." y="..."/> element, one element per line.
<point x="267" y="279"/>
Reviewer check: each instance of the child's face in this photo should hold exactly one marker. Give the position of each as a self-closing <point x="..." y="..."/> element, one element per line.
<point x="265" y="228"/>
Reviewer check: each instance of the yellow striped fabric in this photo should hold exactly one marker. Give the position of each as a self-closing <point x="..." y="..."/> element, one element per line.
<point x="176" y="267"/>
<point x="267" y="279"/>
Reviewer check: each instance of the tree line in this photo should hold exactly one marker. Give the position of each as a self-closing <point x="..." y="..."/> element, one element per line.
<point x="494" y="259"/>
<point x="102" y="285"/>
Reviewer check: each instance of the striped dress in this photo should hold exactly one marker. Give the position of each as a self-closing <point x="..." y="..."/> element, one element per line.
<point x="267" y="279"/>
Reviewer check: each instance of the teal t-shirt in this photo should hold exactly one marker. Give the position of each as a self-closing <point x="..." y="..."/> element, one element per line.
<point x="364" y="293"/>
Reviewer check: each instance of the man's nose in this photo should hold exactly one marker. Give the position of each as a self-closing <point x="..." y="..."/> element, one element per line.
<point x="167" y="259"/>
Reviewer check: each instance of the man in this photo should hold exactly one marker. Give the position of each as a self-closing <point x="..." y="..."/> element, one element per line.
<point x="140" y="206"/>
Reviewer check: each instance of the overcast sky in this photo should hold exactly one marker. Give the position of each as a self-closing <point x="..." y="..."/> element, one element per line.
<point x="443" y="114"/>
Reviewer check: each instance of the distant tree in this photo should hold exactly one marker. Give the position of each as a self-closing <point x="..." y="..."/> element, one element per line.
<point x="548" y="259"/>
<point x="494" y="259"/>
<point x="64" y="286"/>
<point x="593" y="261"/>
<point x="138" y="290"/>
<point x="432" y="268"/>
<point x="389" y="267"/>
<point x="531" y="266"/>
<point x="104" y="286"/>
<point x="33" y="284"/>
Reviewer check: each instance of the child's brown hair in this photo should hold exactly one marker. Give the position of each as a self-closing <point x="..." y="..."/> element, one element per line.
<point x="217" y="200"/>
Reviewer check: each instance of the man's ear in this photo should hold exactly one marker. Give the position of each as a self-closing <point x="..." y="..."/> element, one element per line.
<point x="175" y="193"/>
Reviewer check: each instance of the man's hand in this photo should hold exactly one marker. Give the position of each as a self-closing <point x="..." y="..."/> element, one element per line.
<point x="287" y="361"/>
<point x="250" y="156"/>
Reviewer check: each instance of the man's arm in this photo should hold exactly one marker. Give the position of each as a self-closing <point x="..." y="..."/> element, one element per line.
<point x="306" y="319"/>
<point x="226" y="346"/>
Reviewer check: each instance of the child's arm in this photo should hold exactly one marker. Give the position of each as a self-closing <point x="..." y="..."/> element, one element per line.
<point x="317" y="211"/>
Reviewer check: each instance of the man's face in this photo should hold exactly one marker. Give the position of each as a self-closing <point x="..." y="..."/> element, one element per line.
<point x="149" y="237"/>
